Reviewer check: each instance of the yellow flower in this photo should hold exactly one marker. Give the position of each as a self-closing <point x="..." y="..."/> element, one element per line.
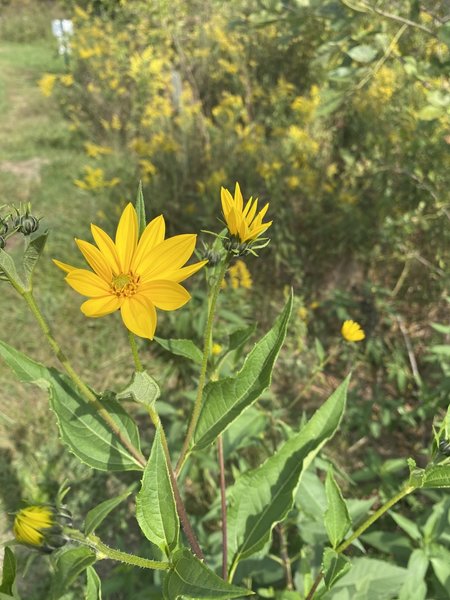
<point x="133" y="275"/>
<point x="40" y="526"/>
<point x="352" y="331"/>
<point x="67" y="80"/>
<point x="46" y="84"/>
<point x="216" y="349"/>
<point x="241" y="221"/>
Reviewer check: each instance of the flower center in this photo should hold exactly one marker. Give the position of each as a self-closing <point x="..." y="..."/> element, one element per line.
<point x="124" y="285"/>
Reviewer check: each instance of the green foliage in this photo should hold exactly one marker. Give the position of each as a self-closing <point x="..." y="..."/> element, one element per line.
<point x="69" y="564"/>
<point x="97" y="515"/>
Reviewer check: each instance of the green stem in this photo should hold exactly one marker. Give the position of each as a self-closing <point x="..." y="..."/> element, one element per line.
<point x="181" y="510"/>
<point x="206" y="352"/>
<point x="105" y="551"/>
<point x="134" y="350"/>
<point x="79" y="383"/>
<point x="361" y="529"/>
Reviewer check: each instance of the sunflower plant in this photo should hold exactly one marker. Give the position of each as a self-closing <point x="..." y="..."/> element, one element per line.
<point x="137" y="273"/>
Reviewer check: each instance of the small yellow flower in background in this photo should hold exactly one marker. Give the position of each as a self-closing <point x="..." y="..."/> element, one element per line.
<point x="216" y="349"/>
<point x="133" y="275"/>
<point x="67" y="80"/>
<point x="46" y="84"/>
<point x="352" y="331"/>
<point x="240" y="275"/>
<point x="94" y="179"/>
<point x="243" y="222"/>
<point x="94" y="150"/>
<point x="41" y="526"/>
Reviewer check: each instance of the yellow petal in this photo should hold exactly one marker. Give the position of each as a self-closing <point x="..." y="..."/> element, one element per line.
<point x="238" y="199"/>
<point x="152" y="235"/>
<point x="232" y="222"/>
<point x="227" y="201"/>
<point x="182" y="274"/>
<point x="126" y="237"/>
<point x="166" y="295"/>
<point x="252" y="212"/>
<point x="170" y="254"/>
<point x="64" y="266"/>
<point x="27" y="534"/>
<point x="139" y="316"/>
<point x="106" y="247"/>
<point x="95" y="259"/>
<point x="87" y="283"/>
<point x="98" y="307"/>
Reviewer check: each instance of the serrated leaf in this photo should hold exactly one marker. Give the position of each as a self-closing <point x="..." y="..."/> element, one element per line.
<point x="32" y="254"/>
<point x="336" y="518"/>
<point x="140" y="210"/>
<point x="9" y="572"/>
<point x="156" y="511"/>
<point x="226" y="399"/>
<point x="185" y="348"/>
<point x="437" y="476"/>
<point x="80" y="425"/>
<point x="8" y="266"/>
<point x="262" y="497"/>
<point x="335" y="566"/>
<point x="69" y="565"/>
<point x="143" y="389"/>
<point x="363" y="53"/>
<point x="191" y="579"/>
<point x="98" y="514"/>
<point x="93" y="585"/>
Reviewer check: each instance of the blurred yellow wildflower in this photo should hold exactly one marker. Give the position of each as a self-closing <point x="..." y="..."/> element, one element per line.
<point x="93" y="150"/>
<point x="95" y="179"/>
<point x="240" y="275"/>
<point x="67" y="80"/>
<point x="134" y="275"/>
<point x="243" y="222"/>
<point x="216" y="349"/>
<point x="46" y="84"/>
<point x="352" y="331"/>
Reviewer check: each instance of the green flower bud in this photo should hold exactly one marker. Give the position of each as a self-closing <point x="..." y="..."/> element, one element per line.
<point x="28" y="224"/>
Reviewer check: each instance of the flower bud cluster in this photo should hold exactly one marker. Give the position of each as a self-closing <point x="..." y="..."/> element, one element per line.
<point x="16" y="220"/>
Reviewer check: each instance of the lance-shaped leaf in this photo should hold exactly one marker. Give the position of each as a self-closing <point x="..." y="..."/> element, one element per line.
<point x="9" y="573"/>
<point x="224" y="400"/>
<point x="336" y="517"/>
<point x="140" y="209"/>
<point x="32" y="254"/>
<point x="262" y="497"/>
<point x="155" y="504"/>
<point x="8" y="268"/>
<point x="335" y="566"/>
<point x="185" y="348"/>
<point x="98" y="514"/>
<point x="68" y="566"/>
<point x="80" y="425"/>
<point x="93" y="585"/>
<point x="191" y="579"/>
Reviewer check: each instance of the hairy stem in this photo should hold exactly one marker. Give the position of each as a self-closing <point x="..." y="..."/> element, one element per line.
<point x="134" y="351"/>
<point x="76" y="379"/>
<point x="206" y="351"/>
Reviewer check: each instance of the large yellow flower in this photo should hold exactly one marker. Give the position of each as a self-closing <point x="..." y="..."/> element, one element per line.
<point x="133" y="275"/>
<point x="243" y="222"/>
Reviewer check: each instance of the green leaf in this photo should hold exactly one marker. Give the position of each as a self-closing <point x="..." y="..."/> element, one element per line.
<point x="68" y="567"/>
<point x="140" y="210"/>
<point x="191" y="579"/>
<point x="93" y="585"/>
<point x="408" y="526"/>
<point x="440" y="561"/>
<point x="370" y="579"/>
<point x="262" y="497"/>
<point x="156" y="511"/>
<point x="226" y="399"/>
<point x="444" y="34"/>
<point x="98" y="514"/>
<point x="9" y="572"/>
<point x="80" y="425"/>
<point x="240" y="336"/>
<point x="32" y="255"/>
<point x="8" y="266"/>
<point x="330" y="100"/>
<point x="335" y="566"/>
<point x="414" y="587"/>
<point x="336" y="517"/>
<point x="429" y="113"/>
<point x="143" y="389"/>
<point x="363" y="53"/>
<point x="185" y="348"/>
<point x="441" y="328"/>
<point x="437" y="476"/>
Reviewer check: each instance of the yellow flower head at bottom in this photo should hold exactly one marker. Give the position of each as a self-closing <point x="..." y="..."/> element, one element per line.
<point x="352" y="331"/>
<point x="133" y="274"/>
<point x="31" y="523"/>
